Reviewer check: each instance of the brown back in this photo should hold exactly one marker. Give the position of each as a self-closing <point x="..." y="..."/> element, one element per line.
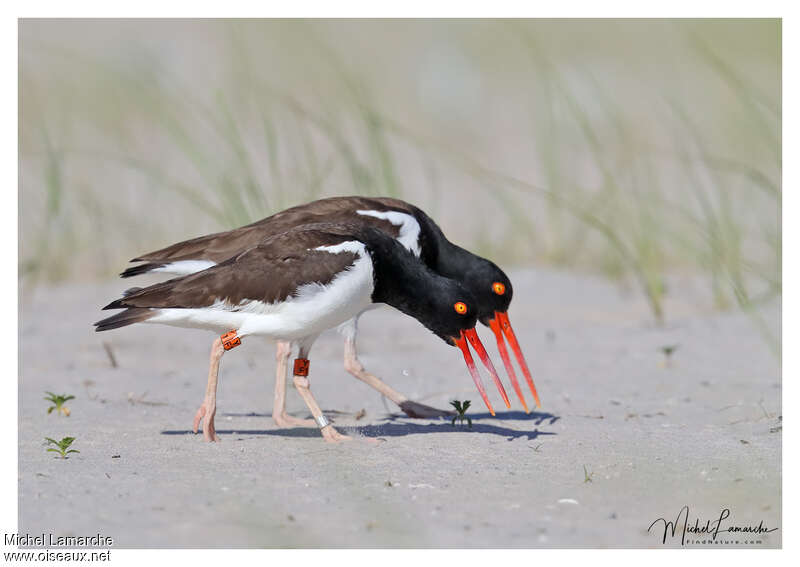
<point x="220" y="246"/>
<point x="270" y="272"/>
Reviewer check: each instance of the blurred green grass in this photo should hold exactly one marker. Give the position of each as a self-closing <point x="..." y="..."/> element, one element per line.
<point x="632" y="148"/>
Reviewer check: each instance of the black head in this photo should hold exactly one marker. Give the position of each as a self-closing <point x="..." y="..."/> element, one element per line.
<point x="490" y="286"/>
<point x="493" y="292"/>
<point x="446" y="308"/>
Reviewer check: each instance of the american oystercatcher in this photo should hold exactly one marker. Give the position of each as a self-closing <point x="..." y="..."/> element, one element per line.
<point x="293" y="286"/>
<point x="413" y="228"/>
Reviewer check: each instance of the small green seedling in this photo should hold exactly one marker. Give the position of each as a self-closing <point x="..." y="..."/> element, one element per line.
<point x="58" y="402"/>
<point x="461" y="408"/>
<point x="668" y="351"/>
<point x="587" y="476"/>
<point x="62" y="447"/>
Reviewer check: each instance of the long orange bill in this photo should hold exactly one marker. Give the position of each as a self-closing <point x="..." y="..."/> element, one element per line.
<point x="461" y="343"/>
<point x="494" y="324"/>
<point x="505" y="325"/>
<point x="472" y="337"/>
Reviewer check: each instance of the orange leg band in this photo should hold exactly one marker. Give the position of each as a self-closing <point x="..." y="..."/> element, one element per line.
<point x="230" y="340"/>
<point x="301" y="366"/>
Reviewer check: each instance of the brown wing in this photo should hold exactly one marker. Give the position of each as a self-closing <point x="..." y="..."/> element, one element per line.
<point x="220" y="246"/>
<point x="269" y="272"/>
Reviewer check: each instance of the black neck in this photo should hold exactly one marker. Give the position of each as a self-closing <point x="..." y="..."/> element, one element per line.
<point x="441" y="255"/>
<point x="397" y="272"/>
<point x="405" y="283"/>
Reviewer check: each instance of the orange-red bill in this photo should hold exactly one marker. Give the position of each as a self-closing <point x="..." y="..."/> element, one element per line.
<point x="472" y="337"/>
<point x="505" y="326"/>
<point x="494" y="324"/>
<point x="461" y="343"/>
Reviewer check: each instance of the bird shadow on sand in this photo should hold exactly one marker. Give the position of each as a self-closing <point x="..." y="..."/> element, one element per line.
<point x="537" y="417"/>
<point x="396" y="429"/>
<point x="269" y="415"/>
<point x="400" y="426"/>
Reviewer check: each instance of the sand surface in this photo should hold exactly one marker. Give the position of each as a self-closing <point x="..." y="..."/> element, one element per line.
<point x="703" y="431"/>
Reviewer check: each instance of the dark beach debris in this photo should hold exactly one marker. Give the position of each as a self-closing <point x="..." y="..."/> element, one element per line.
<point x="133" y="399"/>
<point x="110" y="353"/>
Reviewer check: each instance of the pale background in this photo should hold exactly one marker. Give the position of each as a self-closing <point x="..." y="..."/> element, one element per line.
<point x="627" y="175"/>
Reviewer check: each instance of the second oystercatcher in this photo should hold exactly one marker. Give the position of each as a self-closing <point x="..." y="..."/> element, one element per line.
<point x="412" y="227"/>
<point x="292" y="287"/>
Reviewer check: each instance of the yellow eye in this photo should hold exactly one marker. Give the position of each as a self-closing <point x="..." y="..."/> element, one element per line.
<point x="460" y="308"/>
<point x="498" y="288"/>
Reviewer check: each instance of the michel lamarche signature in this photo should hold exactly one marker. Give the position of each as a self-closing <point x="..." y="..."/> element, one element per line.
<point x="709" y="528"/>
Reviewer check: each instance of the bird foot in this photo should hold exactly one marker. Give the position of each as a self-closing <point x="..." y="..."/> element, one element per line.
<point x="207" y="415"/>
<point x="421" y="411"/>
<point x="286" y="420"/>
<point x="332" y="436"/>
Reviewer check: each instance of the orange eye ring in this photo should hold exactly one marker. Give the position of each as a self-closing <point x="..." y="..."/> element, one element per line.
<point x="498" y="288"/>
<point x="460" y="307"/>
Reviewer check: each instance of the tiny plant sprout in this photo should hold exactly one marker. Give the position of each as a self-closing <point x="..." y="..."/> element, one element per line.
<point x="668" y="351"/>
<point x="58" y="402"/>
<point x="587" y="476"/>
<point x="461" y="408"/>
<point x="61" y="447"/>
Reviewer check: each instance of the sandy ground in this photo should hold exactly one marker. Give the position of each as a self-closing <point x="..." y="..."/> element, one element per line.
<point x="703" y="431"/>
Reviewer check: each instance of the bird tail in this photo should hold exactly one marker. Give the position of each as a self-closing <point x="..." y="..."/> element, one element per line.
<point x="141" y="269"/>
<point x="123" y="319"/>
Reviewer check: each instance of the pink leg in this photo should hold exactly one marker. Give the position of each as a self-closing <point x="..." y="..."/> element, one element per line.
<point x="279" y="415"/>
<point x="304" y="389"/>
<point x="208" y="409"/>
<point x="328" y="432"/>
<point x="411" y="409"/>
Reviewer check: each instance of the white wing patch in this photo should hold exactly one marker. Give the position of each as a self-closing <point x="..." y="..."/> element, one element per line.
<point x="185" y="267"/>
<point x="353" y="246"/>
<point x="409" y="227"/>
